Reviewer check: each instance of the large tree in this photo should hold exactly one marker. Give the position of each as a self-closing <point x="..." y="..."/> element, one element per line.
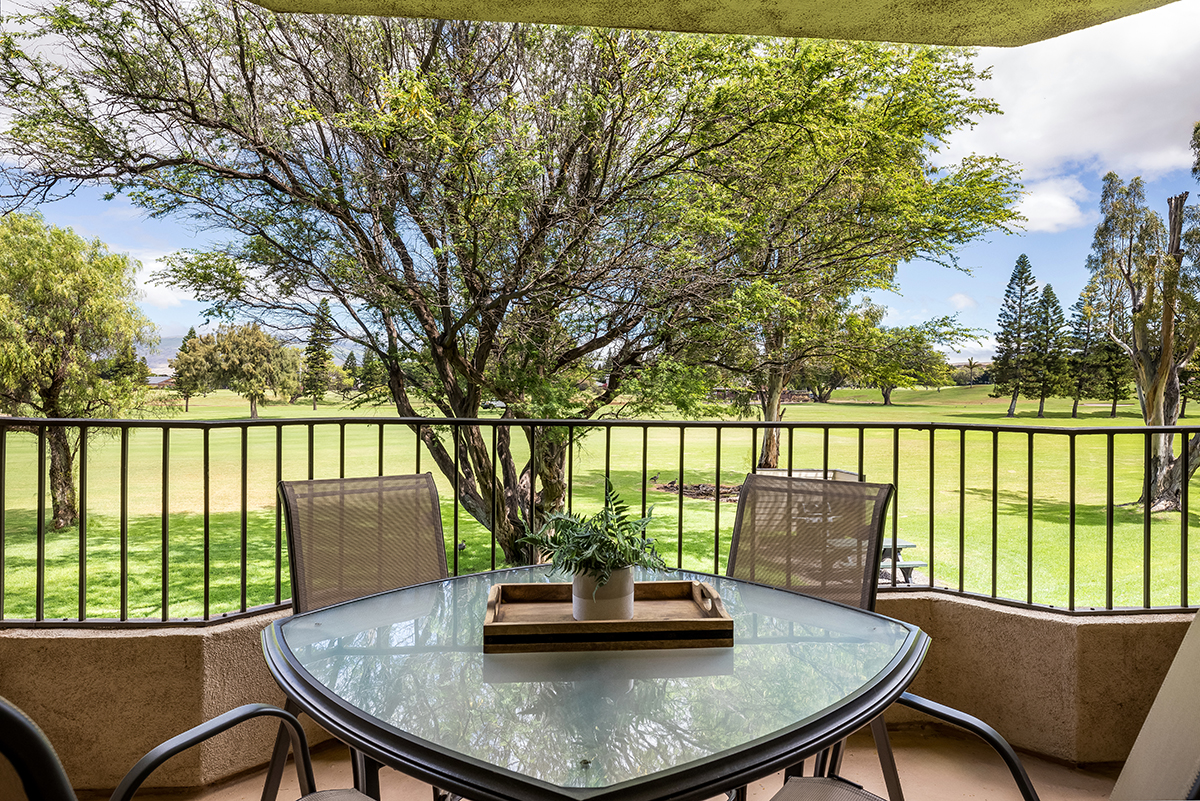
<point x="494" y="211"/>
<point x="69" y="324"/>
<point x="817" y="219"/>
<point x="1153" y="267"/>
<point x="1015" y="330"/>
<point x="1047" y="363"/>
<point x="908" y="356"/>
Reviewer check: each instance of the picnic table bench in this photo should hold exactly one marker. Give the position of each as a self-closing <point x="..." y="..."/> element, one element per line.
<point x="896" y="561"/>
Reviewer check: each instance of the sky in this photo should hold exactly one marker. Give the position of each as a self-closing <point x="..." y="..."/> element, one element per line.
<point x="1122" y="96"/>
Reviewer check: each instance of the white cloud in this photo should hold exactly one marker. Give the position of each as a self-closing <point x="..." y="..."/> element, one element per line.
<point x="1055" y="205"/>
<point x="961" y="300"/>
<point x="982" y="351"/>
<point x="1120" y="96"/>
<point x="161" y="297"/>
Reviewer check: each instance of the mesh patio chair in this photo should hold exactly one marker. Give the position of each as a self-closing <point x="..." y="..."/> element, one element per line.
<point x="31" y="770"/>
<point x="822" y="538"/>
<point x="1164" y="763"/>
<point x="352" y="537"/>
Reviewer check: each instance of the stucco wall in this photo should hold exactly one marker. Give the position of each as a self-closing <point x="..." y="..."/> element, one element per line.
<point x="106" y="697"/>
<point x="1074" y="688"/>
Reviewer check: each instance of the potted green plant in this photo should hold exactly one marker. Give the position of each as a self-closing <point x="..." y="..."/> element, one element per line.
<point x="599" y="553"/>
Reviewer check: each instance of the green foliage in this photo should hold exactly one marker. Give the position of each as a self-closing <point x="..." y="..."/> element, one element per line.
<point x="317" y="357"/>
<point x="596" y="546"/>
<point x="350" y="367"/>
<point x="192" y="372"/>
<point x="244" y="359"/>
<point x="1196" y="151"/>
<point x="541" y="215"/>
<point x="1098" y="366"/>
<point x="1015" y="324"/>
<point x="1047" y="364"/>
<point x="908" y="356"/>
<point x="69" y="324"/>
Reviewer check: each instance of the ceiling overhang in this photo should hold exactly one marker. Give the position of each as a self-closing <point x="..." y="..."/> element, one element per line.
<point x="999" y="23"/>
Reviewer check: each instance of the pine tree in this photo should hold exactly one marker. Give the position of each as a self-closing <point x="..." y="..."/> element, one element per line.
<point x="371" y="375"/>
<point x="193" y="371"/>
<point x="1113" y="373"/>
<point x="317" y="357"/>
<point x="1047" y="365"/>
<point x="1012" y="340"/>
<point x="350" y="366"/>
<point x="1087" y="334"/>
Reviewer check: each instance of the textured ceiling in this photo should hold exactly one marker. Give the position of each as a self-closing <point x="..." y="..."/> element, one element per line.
<point x="1003" y="23"/>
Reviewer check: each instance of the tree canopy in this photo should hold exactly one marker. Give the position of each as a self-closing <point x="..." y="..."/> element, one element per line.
<point x="69" y="324"/>
<point x="498" y="211"/>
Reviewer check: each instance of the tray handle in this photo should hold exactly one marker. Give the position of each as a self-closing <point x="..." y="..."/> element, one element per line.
<point x="494" y="613"/>
<point x="707" y="598"/>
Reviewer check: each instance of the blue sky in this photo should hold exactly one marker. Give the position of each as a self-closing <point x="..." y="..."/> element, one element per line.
<point x="1121" y="96"/>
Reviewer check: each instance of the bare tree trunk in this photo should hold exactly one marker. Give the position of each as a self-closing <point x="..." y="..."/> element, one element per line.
<point x="1157" y="365"/>
<point x="62" y="477"/>
<point x="1012" y="405"/>
<point x="887" y="395"/>
<point x="772" y="407"/>
<point x="1042" y="406"/>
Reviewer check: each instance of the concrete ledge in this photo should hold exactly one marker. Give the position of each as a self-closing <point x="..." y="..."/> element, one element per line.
<point x="1071" y="687"/>
<point x="106" y="697"/>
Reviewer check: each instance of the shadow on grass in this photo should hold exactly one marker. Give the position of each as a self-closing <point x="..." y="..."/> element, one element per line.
<point x="189" y="560"/>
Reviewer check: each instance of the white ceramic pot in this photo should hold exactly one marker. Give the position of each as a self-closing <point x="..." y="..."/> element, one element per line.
<point x="611" y="601"/>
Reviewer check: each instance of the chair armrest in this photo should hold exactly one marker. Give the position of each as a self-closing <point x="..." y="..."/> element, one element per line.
<point x="198" y="734"/>
<point x="984" y="731"/>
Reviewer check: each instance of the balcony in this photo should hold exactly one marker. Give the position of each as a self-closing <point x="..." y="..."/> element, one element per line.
<point x="1055" y="604"/>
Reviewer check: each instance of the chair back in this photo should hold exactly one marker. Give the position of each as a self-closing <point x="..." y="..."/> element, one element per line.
<point x="26" y="752"/>
<point x="818" y="537"/>
<point x="1165" y="760"/>
<point x="351" y="537"/>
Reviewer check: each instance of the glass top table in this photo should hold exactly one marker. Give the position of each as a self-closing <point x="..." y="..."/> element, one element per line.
<point x="402" y="676"/>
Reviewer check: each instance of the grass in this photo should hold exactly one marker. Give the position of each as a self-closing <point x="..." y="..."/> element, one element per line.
<point x="690" y="532"/>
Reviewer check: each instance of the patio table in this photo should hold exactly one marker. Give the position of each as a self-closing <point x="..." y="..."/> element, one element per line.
<point x="402" y="676"/>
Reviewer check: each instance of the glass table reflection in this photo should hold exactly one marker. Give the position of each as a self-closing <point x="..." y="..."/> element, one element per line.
<point x="403" y="677"/>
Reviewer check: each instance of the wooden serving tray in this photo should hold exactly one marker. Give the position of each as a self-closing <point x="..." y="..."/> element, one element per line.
<point x="666" y="614"/>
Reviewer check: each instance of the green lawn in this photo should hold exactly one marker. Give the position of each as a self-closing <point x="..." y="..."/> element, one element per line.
<point x="689" y="533"/>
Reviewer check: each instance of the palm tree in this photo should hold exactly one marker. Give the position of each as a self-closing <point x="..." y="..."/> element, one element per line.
<point x="971" y="365"/>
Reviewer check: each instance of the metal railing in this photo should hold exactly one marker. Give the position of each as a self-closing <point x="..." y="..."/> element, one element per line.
<point x="179" y="524"/>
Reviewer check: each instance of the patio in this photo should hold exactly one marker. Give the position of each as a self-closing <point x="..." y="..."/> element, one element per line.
<point x="936" y="764"/>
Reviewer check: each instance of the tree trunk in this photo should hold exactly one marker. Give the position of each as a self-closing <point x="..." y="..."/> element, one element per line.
<point x="253" y="408"/>
<point x="887" y="395"/>
<point x="1113" y="412"/>
<point x="1158" y="369"/>
<point x="772" y="408"/>
<point x="62" y="477"/>
<point x="1075" y="407"/>
<point x="1042" y="406"/>
<point x="1012" y="405"/>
